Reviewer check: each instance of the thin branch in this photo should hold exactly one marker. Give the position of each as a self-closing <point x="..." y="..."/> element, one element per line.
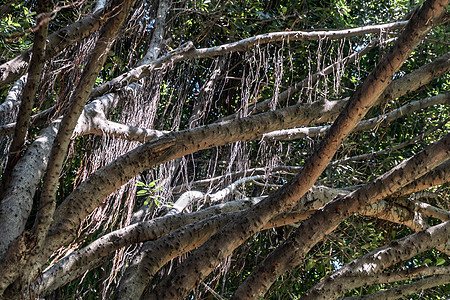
<point x="364" y="270"/>
<point x="197" y="266"/>
<point x="234" y="175"/>
<point x="13" y="97"/>
<point x="29" y="92"/>
<point x="304" y="132"/>
<point x="406" y="289"/>
<point x="425" y="208"/>
<point x="64" y="37"/>
<point x="187" y="51"/>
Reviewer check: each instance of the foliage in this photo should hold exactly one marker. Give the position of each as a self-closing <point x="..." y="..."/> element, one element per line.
<point x="186" y="95"/>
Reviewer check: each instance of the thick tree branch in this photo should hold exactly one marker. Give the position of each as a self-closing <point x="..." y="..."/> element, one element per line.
<point x="64" y="37"/>
<point x="407" y="289"/>
<point x="365" y="269"/>
<point x="29" y="92"/>
<point x="437" y="176"/>
<point x="18" y="198"/>
<point x="202" y="262"/>
<point x="17" y="203"/>
<point x="186" y="52"/>
<point x="158" y="33"/>
<point x="93" y="120"/>
<point x="156" y="254"/>
<point x="170" y="146"/>
<point x="389" y="277"/>
<point x="58" y="153"/>
<point x="304" y="132"/>
<point x="139" y="232"/>
<point x="293" y="250"/>
<point x="153" y="229"/>
<point x="69" y="121"/>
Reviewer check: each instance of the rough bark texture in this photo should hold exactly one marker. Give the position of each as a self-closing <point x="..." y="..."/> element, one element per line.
<point x="198" y="266"/>
<point x="119" y="11"/>
<point x="359" y="272"/>
<point x="172" y="157"/>
<point x="304" y="132"/>
<point x="407" y="289"/>
<point x="293" y="250"/>
<point x="59" y="149"/>
<point x="29" y="93"/>
<point x="17" y="201"/>
<point x="57" y="41"/>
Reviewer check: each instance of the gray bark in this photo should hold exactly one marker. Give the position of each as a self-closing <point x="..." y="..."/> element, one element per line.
<point x="57" y="41"/>
<point x="365" y="269"/>
<point x="407" y="289"/>
<point x="201" y="263"/>
<point x="304" y="132"/>
<point x="18" y="197"/>
<point x="188" y="51"/>
<point x="293" y="250"/>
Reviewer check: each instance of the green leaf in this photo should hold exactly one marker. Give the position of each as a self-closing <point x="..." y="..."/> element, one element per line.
<point x="142" y="193"/>
<point x="153" y="183"/>
<point x="440" y="261"/>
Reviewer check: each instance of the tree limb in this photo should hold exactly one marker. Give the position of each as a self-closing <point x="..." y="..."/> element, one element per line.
<point x="64" y="37"/>
<point x="365" y="269"/>
<point x="293" y="250"/>
<point x="13" y="97"/>
<point x="191" y="53"/>
<point x="29" y="92"/>
<point x="304" y="132"/>
<point x="406" y="289"/>
<point x="201" y="263"/>
<point x="59" y="149"/>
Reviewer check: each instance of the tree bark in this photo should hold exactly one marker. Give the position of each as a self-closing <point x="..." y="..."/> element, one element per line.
<point x="293" y="250"/>
<point x="365" y="269"/>
<point x="57" y="41"/>
<point x="200" y="264"/>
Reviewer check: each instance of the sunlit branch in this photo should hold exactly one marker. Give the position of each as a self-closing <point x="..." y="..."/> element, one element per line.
<point x="188" y="51"/>
<point x="367" y="267"/>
